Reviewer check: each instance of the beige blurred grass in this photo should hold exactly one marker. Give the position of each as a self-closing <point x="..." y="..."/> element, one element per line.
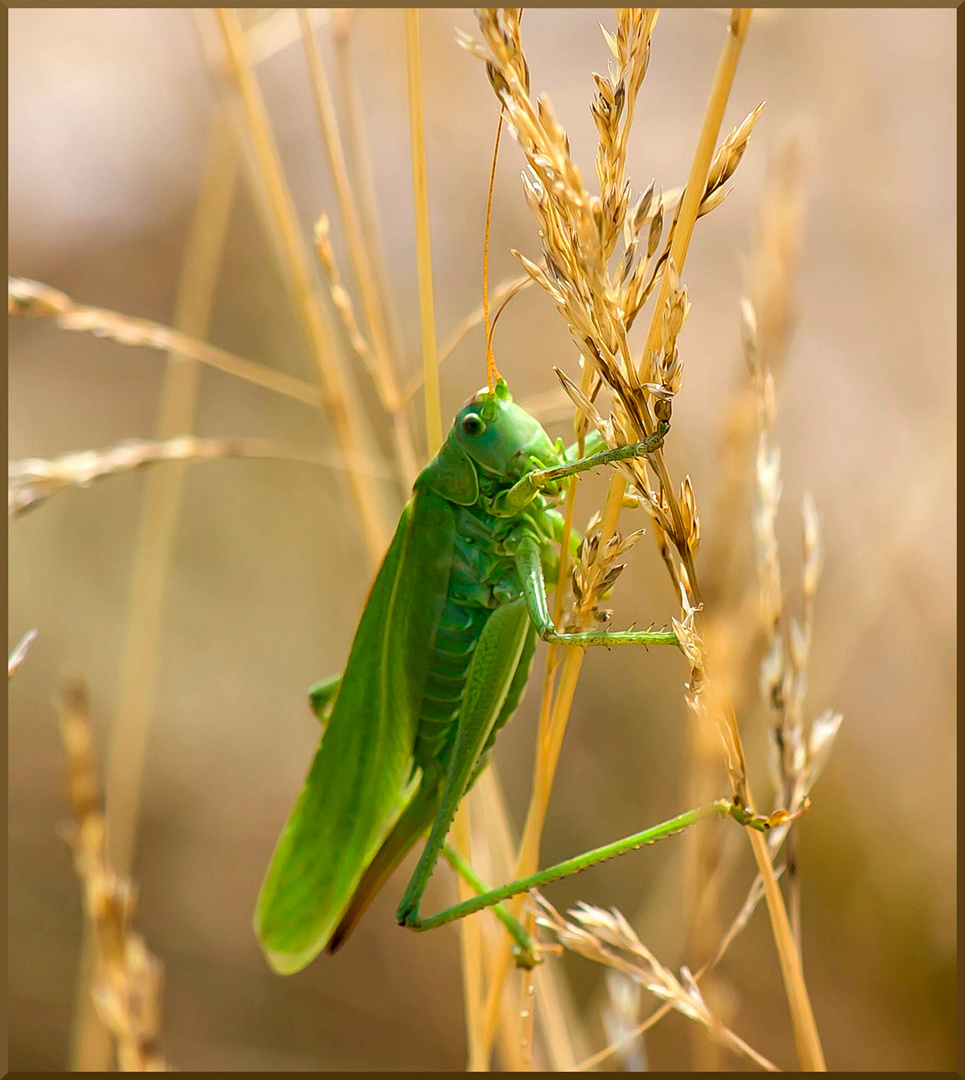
<point x="230" y="588"/>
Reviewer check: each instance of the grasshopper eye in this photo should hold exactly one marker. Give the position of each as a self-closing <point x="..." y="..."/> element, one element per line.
<point x="473" y="425"/>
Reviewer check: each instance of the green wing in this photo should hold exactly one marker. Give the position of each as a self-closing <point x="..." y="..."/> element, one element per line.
<point x="363" y="776"/>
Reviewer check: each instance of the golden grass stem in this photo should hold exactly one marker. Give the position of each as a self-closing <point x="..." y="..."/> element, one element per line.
<point x="809" y="1049"/>
<point x="340" y="403"/>
<point x="687" y="217"/>
<point x="385" y="365"/>
<point x="488" y="808"/>
<point x="420" y="185"/>
<point x="281" y="28"/>
<point x="470" y="943"/>
<point x="360" y="164"/>
<point x="562" y="1035"/>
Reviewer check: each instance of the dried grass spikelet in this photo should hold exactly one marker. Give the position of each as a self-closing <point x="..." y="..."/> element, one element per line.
<point x="594" y="573"/>
<point x="783" y="672"/>
<point x="722" y="167"/>
<point x="579" y="231"/>
<point x="726" y="159"/>
<point x="798" y="753"/>
<point x="128" y="979"/>
<point x="31" y="481"/>
<point x="606" y="937"/>
<point x="340" y="298"/>
<point x="32" y="299"/>
<point x="612" y="110"/>
<point x="708" y="699"/>
<point x="738" y="925"/>
<point x="664" y="367"/>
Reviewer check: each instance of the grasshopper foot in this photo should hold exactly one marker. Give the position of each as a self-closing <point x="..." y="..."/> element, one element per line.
<point x="407" y="915"/>
<point x="526" y="955"/>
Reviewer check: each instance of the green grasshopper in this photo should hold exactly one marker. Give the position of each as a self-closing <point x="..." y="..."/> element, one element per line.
<point x="439" y="663"/>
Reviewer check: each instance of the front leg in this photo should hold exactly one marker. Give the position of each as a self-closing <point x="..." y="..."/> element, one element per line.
<point x="522" y="493"/>
<point x="530" y="569"/>
<point x="649" y="445"/>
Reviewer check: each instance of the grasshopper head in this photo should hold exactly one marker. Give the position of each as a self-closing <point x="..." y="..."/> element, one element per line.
<point x="500" y="437"/>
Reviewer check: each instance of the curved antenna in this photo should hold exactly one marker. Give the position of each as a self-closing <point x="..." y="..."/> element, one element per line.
<point x="492" y="372"/>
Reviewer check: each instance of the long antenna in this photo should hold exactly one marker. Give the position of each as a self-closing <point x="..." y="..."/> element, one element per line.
<point x="492" y="372"/>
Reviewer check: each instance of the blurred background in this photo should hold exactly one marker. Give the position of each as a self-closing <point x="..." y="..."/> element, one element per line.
<point x="110" y="125"/>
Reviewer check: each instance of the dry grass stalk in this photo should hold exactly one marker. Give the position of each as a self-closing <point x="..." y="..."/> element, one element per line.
<point x="159" y="513"/>
<point x="32" y="481"/>
<point x="20" y="651"/>
<point x="281" y="28"/>
<point x="339" y="398"/>
<point x="607" y="938"/>
<point x="359" y="162"/>
<point x="420" y="188"/>
<point x="382" y="363"/>
<point x="36" y="300"/>
<point x="128" y="978"/>
<point x="470" y="942"/>
<point x="517" y="1052"/>
<point x="766" y="322"/>
<point x="341" y="300"/>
